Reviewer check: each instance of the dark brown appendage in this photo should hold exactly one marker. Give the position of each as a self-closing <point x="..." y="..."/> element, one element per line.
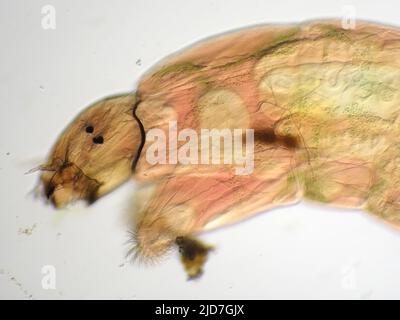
<point x="194" y="255"/>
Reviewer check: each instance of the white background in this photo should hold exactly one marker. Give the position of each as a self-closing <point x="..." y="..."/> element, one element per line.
<point x="47" y="76"/>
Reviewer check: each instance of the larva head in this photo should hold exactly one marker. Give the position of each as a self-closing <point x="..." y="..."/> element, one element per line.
<point x="94" y="154"/>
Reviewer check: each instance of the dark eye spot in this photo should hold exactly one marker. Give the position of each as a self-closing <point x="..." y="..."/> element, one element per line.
<point x="98" y="140"/>
<point x="89" y="129"/>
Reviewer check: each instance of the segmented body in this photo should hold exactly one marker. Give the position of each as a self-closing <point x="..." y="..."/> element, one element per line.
<point x="323" y="102"/>
<point x="334" y="91"/>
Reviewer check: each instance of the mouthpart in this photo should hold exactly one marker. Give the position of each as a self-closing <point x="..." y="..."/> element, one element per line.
<point x="68" y="184"/>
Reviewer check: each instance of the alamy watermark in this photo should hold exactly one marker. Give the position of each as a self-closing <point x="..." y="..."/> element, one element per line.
<point x="348" y="280"/>
<point x="48" y="17"/>
<point x="49" y="277"/>
<point x="209" y="146"/>
<point x="348" y="17"/>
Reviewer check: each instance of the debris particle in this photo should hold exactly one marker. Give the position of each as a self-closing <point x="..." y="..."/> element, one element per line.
<point x="139" y="62"/>
<point x="27" y="231"/>
<point x="17" y="283"/>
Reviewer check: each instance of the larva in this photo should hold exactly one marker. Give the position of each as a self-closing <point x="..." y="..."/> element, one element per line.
<point x="322" y="104"/>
